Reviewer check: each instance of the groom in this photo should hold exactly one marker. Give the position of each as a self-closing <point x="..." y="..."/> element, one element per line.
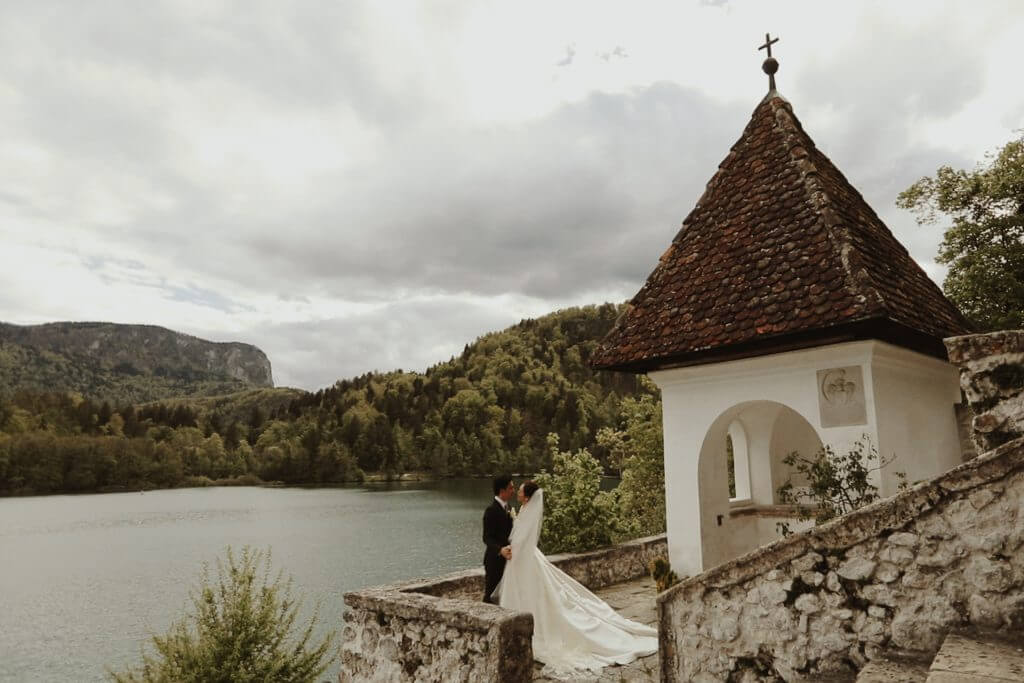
<point x="497" y="527"/>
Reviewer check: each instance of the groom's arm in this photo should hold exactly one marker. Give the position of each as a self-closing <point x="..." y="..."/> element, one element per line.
<point x="492" y="530"/>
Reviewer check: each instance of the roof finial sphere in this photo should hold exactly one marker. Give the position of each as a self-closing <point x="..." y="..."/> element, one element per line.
<point x="770" y="66"/>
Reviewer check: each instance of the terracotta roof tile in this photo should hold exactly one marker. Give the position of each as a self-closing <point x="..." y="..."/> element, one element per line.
<point x="780" y="244"/>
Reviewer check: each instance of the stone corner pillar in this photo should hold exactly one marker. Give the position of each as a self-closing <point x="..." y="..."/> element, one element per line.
<point x="511" y="649"/>
<point x="992" y="377"/>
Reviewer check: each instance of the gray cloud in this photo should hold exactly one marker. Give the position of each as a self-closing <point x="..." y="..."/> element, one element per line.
<point x="618" y="52"/>
<point x="303" y="54"/>
<point x="570" y="55"/>
<point x="583" y="199"/>
<point x="554" y="208"/>
<point x="412" y="335"/>
<point x="876" y="111"/>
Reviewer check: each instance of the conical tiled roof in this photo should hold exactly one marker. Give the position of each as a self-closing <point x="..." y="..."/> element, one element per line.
<point x="781" y="252"/>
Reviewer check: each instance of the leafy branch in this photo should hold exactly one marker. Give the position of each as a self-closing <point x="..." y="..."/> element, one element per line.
<point x="835" y="484"/>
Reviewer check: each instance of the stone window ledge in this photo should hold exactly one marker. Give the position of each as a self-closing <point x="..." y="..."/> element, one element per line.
<point x="746" y="508"/>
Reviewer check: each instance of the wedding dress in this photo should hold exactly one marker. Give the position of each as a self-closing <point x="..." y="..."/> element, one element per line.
<point x="573" y="629"/>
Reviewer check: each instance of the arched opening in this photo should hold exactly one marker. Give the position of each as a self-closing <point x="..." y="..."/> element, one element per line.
<point x="740" y="469"/>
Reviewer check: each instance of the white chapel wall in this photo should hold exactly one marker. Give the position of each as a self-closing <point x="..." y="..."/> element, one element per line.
<point x="917" y="424"/>
<point x="777" y="400"/>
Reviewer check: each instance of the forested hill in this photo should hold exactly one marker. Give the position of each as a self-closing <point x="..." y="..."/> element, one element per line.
<point x="124" y="363"/>
<point x="488" y="410"/>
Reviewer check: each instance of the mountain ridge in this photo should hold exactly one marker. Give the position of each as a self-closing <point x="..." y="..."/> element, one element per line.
<point x="125" y="362"/>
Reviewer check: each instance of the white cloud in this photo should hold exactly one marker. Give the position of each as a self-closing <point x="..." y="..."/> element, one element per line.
<point x="369" y="185"/>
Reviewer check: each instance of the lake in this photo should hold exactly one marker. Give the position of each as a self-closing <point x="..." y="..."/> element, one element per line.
<point x="85" y="579"/>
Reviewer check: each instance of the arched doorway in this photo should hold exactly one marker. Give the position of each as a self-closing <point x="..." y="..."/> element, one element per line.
<point x="740" y="515"/>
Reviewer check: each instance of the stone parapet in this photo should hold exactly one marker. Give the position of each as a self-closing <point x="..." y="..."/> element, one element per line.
<point x="438" y="629"/>
<point x="900" y="573"/>
<point x="394" y="636"/>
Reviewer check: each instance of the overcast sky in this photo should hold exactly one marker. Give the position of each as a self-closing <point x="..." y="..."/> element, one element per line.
<point x="355" y="186"/>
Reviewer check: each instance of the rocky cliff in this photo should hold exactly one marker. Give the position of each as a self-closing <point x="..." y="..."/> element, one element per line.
<point x="125" y="362"/>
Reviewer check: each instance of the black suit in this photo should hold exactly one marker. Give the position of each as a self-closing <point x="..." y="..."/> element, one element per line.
<point x="497" y="527"/>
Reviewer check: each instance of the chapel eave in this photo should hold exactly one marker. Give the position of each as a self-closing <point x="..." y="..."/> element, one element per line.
<point x="879" y="329"/>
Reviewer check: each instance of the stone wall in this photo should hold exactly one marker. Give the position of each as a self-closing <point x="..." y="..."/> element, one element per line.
<point x="893" y="576"/>
<point x="965" y="430"/>
<point x="394" y="636"/>
<point x="992" y="377"/>
<point x="438" y="629"/>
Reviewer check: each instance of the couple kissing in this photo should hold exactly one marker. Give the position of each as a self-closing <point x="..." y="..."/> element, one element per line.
<point x="573" y="629"/>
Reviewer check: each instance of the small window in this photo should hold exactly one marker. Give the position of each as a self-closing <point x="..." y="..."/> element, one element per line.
<point x="738" y="462"/>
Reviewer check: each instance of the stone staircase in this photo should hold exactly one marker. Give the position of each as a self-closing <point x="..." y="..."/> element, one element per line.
<point x="963" y="658"/>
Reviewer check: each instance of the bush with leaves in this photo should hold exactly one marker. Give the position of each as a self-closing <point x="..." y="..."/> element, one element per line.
<point x="662" y="573"/>
<point x="835" y="484"/>
<point x="578" y="515"/>
<point x="636" y="448"/>
<point x="241" y="630"/>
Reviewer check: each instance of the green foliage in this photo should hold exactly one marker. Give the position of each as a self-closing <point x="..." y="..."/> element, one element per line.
<point x="578" y="515"/>
<point x="984" y="246"/>
<point x="662" y="573"/>
<point x="835" y="484"/>
<point x="241" y="629"/>
<point x="637" y="450"/>
<point x="488" y="410"/>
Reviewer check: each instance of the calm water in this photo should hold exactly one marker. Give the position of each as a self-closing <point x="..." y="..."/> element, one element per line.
<point x="84" y="580"/>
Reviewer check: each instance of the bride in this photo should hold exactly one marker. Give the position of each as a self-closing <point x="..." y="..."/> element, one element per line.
<point x="573" y="629"/>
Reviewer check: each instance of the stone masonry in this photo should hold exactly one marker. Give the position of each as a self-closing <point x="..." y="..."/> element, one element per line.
<point x="992" y="377"/>
<point x="895" y="576"/>
<point x="439" y="630"/>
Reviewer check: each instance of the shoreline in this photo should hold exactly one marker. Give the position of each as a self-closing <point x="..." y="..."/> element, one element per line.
<point x="370" y="479"/>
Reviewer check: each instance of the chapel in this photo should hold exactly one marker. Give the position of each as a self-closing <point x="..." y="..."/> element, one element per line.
<point x="784" y="316"/>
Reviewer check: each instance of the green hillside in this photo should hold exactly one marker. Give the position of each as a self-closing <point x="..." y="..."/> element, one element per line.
<point x="489" y="409"/>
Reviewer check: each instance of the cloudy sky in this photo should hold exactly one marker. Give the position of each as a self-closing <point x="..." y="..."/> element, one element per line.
<point x="369" y="185"/>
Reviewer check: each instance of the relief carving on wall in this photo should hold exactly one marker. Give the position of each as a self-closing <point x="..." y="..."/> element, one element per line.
<point x="841" y="397"/>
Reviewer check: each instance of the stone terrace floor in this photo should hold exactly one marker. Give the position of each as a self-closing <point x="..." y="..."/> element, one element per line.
<point x="636" y="600"/>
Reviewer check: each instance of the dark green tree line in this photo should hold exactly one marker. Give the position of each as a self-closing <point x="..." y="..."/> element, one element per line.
<point x="489" y="409"/>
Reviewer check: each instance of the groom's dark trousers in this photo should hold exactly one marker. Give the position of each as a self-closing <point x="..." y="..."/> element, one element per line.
<point x="497" y="527"/>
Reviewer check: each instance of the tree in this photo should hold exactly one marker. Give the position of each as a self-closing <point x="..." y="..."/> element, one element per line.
<point x="241" y="630"/>
<point x="984" y="247"/>
<point x="578" y="515"/>
<point x="637" y="451"/>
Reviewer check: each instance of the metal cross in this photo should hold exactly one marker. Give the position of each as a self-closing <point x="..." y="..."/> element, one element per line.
<point x="768" y="42"/>
<point x="771" y="65"/>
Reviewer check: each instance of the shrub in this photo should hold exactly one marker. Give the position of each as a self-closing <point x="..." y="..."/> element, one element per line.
<point x="578" y="516"/>
<point x="835" y="484"/>
<point x="661" y="572"/>
<point x="239" y="632"/>
<point x="637" y="450"/>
